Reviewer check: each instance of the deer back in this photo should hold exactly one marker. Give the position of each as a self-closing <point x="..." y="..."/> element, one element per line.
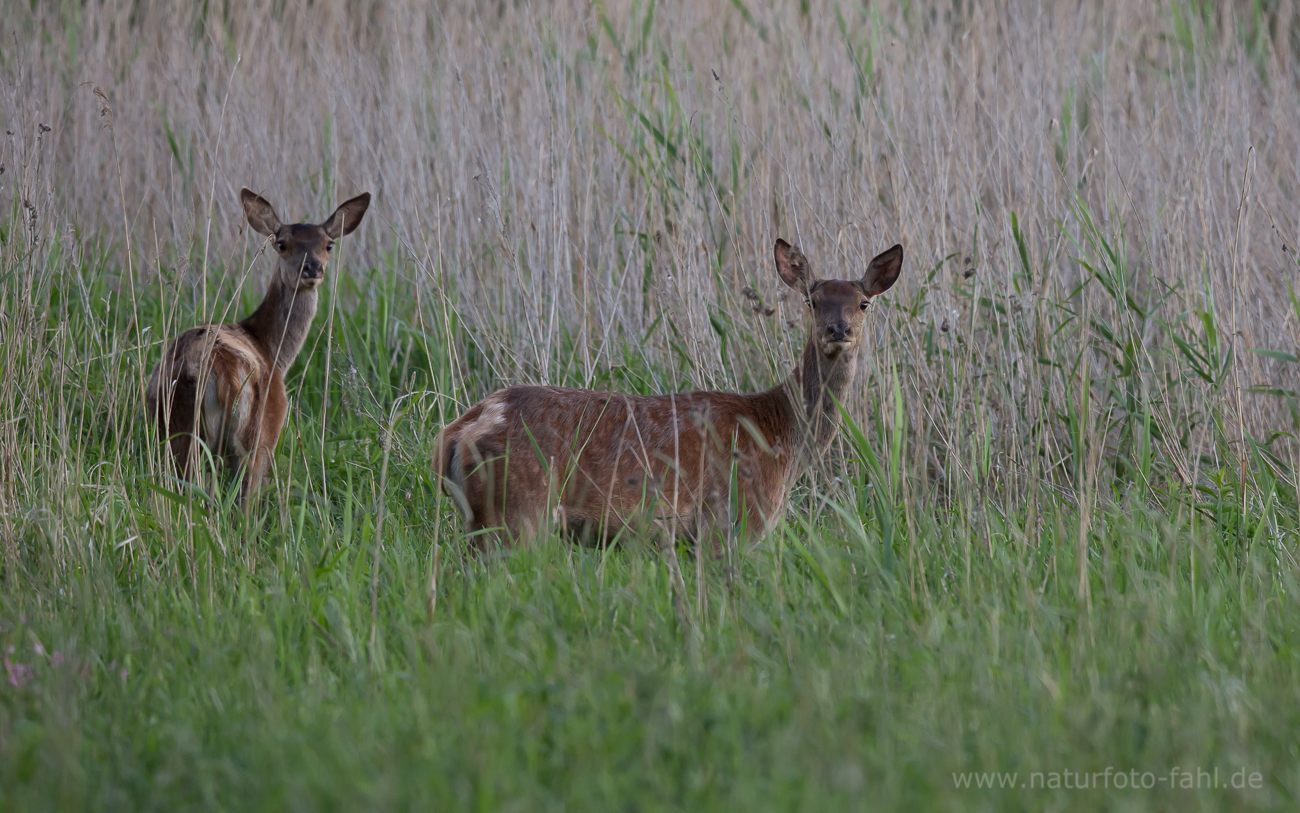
<point x="605" y="460"/>
<point x="211" y="382"/>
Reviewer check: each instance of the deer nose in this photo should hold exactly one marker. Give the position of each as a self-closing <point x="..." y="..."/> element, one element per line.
<point x="838" y="331"/>
<point x="312" y="270"/>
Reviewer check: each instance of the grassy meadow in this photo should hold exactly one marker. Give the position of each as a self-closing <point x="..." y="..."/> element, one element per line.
<point x="1055" y="542"/>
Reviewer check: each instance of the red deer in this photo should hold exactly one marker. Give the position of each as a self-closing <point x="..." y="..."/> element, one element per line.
<point x="224" y="384"/>
<point x="693" y="464"/>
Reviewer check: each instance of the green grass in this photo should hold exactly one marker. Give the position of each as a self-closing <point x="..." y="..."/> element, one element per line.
<point x="558" y="677"/>
<point x="162" y="653"/>
<point x="552" y="679"/>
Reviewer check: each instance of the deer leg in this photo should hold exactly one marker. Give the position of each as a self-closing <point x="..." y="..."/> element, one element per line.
<point x="182" y="426"/>
<point x="256" y="465"/>
<point x="261" y="434"/>
<point x="523" y="503"/>
<point x="180" y="447"/>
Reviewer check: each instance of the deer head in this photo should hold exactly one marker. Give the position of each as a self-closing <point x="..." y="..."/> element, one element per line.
<point x="304" y="248"/>
<point x="838" y="307"/>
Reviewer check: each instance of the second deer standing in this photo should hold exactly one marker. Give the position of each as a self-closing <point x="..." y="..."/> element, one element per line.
<point x="695" y="464"/>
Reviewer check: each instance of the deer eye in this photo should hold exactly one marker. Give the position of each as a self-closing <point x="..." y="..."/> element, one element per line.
<point x="329" y="246"/>
<point x="808" y="302"/>
<point x="865" y="303"/>
<point x="281" y="246"/>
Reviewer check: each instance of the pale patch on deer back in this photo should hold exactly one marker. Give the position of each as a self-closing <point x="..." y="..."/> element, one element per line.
<point x="194" y="351"/>
<point x="491" y="419"/>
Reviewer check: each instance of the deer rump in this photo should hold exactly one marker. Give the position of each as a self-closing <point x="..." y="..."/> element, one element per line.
<point x="208" y="386"/>
<point x="597" y="463"/>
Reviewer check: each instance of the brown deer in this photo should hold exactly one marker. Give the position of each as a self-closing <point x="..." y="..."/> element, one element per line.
<point x="224" y="384"/>
<point x="693" y="464"/>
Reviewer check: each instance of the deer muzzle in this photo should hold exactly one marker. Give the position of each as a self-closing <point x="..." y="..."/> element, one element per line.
<point x="838" y="332"/>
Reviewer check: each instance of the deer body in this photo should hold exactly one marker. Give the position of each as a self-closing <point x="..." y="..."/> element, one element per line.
<point x="692" y="464"/>
<point x="223" y="384"/>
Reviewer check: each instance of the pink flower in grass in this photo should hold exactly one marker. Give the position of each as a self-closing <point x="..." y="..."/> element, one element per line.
<point x="20" y="674"/>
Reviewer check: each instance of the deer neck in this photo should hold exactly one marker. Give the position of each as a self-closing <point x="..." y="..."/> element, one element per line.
<point x="816" y="389"/>
<point x="280" y="323"/>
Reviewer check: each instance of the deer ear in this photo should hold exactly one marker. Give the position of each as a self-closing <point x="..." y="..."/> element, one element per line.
<point x="792" y="265"/>
<point x="347" y="217"/>
<point x="883" y="271"/>
<point x="261" y="215"/>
